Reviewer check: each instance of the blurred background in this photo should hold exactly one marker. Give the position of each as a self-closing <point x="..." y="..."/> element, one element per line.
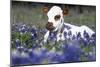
<point x="32" y="14"/>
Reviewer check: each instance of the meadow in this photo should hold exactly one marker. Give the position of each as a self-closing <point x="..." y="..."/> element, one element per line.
<point x="28" y="28"/>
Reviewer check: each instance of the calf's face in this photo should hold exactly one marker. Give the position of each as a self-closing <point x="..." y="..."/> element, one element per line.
<point x="55" y="18"/>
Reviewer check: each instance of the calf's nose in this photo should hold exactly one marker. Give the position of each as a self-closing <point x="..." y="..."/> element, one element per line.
<point x="50" y="23"/>
<point x="49" y="26"/>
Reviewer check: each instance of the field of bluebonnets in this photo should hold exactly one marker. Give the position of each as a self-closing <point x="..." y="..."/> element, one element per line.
<point x="28" y="28"/>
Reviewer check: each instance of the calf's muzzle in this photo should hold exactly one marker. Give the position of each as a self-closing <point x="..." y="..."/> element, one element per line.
<point x="49" y="26"/>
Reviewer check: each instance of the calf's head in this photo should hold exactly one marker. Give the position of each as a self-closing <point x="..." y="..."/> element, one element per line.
<point x="55" y="18"/>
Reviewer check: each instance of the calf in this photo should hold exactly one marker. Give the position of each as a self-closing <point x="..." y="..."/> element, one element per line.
<point x="56" y="24"/>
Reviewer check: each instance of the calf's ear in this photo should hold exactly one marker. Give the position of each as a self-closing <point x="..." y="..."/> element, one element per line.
<point x="45" y="9"/>
<point x="65" y="10"/>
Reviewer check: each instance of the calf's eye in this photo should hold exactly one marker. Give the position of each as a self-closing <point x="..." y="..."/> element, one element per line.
<point x="57" y="17"/>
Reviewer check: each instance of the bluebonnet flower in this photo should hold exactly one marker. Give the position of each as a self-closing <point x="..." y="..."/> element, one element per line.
<point x="65" y="34"/>
<point x="93" y="39"/>
<point x="69" y="33"/>
<point x="78" y="35"/>
<point x="73" y="37"/>
<point x="57" y="57"/>
<point x="15" y="61"/>
<point x="92" y="54"/>
<point x="32" y="50"/>
<point x="33" y="29"/>
<point x="72" y="52"/>
<point x="37" y="55"/>
<point x="52" y="36"/>
<point x="20" y="48"/>
<point x="17" y="42"/>
<point x="25" y="50"/>
<point x="19" y="58"/>
<point x="86" y="35"/>
<point x="66" y="26"/>
<point x="34" y="36"/>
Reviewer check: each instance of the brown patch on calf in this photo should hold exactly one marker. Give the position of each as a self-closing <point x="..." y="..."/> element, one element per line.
<point x="65" y="10"/>
<point x="57" y="17"/>
<point x="45" y="9"/>
<point x="49" y="26"/>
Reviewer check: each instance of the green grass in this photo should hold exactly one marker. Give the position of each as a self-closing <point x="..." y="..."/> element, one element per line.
<point x="35" y="16"/>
